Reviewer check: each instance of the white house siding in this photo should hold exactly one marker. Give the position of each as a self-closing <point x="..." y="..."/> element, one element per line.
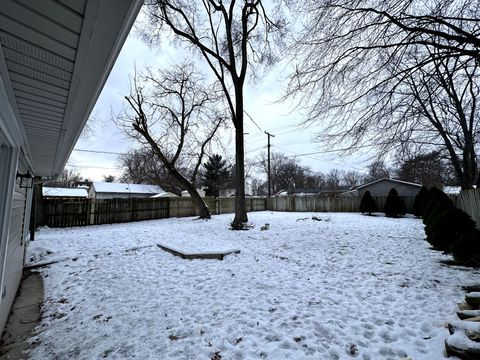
<point x="12" y="205"/>
<point x="15" y="249"/>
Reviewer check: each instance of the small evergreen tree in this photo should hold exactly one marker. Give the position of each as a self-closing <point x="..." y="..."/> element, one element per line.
<point x="466" y="250"/>
<point x="216" y="175"/>
<point x="436" y="202"/>
<point x="419" y="202"/>
<point x="394" y="205"/>
<point x="427" y="201"/>
<point x="448" y="227"/>
<point x="367" y="204"/>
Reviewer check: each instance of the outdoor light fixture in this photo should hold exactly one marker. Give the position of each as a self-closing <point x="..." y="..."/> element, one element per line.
<point x="26" y="180"/>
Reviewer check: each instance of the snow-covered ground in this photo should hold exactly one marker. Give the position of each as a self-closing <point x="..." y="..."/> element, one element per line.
<point x="348" y="286"/>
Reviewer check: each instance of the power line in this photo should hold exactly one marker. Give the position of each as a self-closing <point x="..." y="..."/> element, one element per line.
<point x="313" y="158"/>
<point x="99" y="152"/>
<point x="259" y="128"/>
<point x="92" y="167"/>
<point x="321" y="152"/>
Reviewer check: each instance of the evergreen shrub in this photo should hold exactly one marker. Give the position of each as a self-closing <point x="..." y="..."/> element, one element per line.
<point x="419" y="202"/>
<point x="436" y="202"/>
<point x="448" y="227"/>
<point x="394" y="205"/>
<point x="466" y="250"/>
<point x="367" y="204"/>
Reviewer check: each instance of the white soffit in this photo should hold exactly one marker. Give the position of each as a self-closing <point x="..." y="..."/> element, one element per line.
<point x="58" y="54"/>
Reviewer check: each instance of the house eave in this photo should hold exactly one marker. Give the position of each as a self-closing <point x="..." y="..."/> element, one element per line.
<point x="97" y="33"/>
<point x="52" y="73"/>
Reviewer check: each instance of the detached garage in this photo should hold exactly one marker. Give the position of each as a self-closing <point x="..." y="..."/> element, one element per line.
<point x="55" y="57"/>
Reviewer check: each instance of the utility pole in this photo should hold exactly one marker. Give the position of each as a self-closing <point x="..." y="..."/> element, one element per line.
<point x="268" y="175"/>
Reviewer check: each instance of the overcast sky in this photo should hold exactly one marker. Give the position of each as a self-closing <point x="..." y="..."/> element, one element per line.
<point x="261" y="103"/>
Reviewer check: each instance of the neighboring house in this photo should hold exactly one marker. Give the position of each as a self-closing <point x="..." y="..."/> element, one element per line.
<point x="280" y="193"/>
<point x="101" y="190"/>
<point x="55" y="57"/>
<point x="201" y="192"/>
<point x="382" y="187"/>
<point x="57" y="192"/>
<point x="167" y="194"/>
<point x="452" y="190"/>
<point x="305" y="192"/>
<point x="227" y="192"/>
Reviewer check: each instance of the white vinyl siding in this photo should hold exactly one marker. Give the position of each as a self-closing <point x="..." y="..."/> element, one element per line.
<point x="15" y="252"/>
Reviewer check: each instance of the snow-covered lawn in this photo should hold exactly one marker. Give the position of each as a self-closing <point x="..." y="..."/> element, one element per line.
<point x="347" y="286"/>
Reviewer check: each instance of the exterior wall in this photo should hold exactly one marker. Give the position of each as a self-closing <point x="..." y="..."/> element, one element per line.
<point x="14" y="224"/>
<point x="8" y="168"/>
<point x="382" y="188"/>
<point x="13" y="266"/>
<point x="14" y="214"/>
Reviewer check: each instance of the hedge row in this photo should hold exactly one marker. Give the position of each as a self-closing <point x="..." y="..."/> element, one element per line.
<point x="447" y="228"/>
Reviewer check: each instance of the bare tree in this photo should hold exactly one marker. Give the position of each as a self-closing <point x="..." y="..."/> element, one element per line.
<point x="142" y="166"/>
<point x="388" y="74"/>
<point x="446" y="114"/>
<point x="352" y="178"/>
<point x="230" y="37"/>
<point x="68" y="178"/>
<point x="259" y="187"/>
<point x="430" y="169"/>
<point x="288" y="174"/>
<point x="175" y="113"/>
<point x="334" y="179"/>
<point x="109" y="178"/>
<point x="377" y="170"/>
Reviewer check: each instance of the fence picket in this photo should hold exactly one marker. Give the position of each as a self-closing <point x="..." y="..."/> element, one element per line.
<point x="469" y="201"/>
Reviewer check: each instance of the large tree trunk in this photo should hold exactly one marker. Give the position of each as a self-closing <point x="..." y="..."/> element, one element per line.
<point x="202" y="208"/>
<point x="469" y="166"/>
<point x="240" y="203"/>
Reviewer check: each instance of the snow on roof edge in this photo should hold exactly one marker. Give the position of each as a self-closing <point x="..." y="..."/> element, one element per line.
<point x="106" y="187"/>
<point x="64" y="192"/>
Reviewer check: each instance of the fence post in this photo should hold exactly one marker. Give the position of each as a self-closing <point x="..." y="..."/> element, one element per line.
<point x="91" y="214"/>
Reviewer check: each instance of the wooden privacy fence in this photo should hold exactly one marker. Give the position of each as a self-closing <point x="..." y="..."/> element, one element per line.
<point x="325" y="204"/>
<point x="65" y="212"/>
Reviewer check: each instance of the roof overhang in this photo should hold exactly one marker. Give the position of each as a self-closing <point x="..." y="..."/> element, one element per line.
<point x="55" y="57"/>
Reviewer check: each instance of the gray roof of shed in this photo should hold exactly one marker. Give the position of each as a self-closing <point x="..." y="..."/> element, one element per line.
<point x="389" y="180"/>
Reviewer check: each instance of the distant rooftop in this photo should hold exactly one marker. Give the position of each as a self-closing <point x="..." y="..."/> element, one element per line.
<point x="110" y="187"/>
<point x="64" y="192"/>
